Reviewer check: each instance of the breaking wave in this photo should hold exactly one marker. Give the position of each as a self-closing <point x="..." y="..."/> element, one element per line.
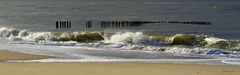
<point x="24" y="35"/>
<point x="198" y="40"/>
<point x="134" y="38"/>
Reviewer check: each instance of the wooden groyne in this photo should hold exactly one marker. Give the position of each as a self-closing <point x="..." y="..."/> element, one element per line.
<point x="123" y="24"/>
<point x="63" y="24"/>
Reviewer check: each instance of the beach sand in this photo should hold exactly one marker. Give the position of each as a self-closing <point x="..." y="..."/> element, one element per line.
<point x="107" y="68"/>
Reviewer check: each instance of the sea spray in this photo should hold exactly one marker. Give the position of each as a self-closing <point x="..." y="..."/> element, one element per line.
<point x="213" y="40"/>
<point x="129" y="37"/>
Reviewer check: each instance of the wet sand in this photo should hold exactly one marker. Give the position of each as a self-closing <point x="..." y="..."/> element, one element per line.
<point x="10" y="55"/>
<point x="107" y="68"/>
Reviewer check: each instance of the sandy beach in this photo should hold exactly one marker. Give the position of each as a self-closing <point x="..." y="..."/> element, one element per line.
<point x="114" y="69"/>
<point x="107" y="68"/>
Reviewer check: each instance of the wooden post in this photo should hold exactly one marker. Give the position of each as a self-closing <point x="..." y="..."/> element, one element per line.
<point x="57" y="24"/>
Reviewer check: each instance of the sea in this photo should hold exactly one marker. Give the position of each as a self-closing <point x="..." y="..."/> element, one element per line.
<point x="29" y="26"/>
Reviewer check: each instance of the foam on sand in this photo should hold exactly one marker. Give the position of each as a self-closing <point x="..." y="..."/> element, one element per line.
<point x="231" y="61"/>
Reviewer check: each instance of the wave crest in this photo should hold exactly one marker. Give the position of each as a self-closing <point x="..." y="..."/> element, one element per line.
<point x="14" y="34"/>
<point x="129" y="37"/>
<point x="138" y="38"/>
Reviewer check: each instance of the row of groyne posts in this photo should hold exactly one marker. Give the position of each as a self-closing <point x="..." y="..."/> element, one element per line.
<point x="119" y="24"/>
<point x="63" y="24"/>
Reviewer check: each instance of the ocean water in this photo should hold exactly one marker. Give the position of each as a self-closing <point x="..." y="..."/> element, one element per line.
<point x="29" y="26"/>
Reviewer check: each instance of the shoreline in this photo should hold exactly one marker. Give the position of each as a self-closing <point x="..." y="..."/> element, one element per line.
<point x="104" y="68"/>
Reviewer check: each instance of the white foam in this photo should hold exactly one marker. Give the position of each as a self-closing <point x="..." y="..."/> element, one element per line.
<point x="14" y="38"/>
<point x="23" y="33"/>
<point x="177" y="61"/>
<point x="59" y="43"/>
<point x="14" y="34"/>
<point x="213" y="40"/>
<point x="4" y="32"/>
<point x="129" y="37"/>
<point x="231" y="61"/>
